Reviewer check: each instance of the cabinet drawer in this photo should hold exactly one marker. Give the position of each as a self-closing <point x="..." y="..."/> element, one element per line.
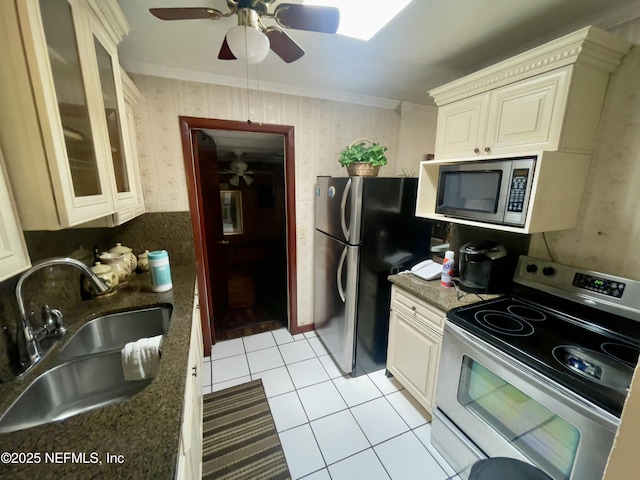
<point x="415" y="307"/>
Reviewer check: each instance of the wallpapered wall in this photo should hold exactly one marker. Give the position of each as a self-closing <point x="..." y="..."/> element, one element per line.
<point x="605" y="238"/>
<point x="322" y="129"/>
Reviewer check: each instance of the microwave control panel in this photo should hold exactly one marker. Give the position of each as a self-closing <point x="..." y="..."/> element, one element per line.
<point x="518" y="190"/>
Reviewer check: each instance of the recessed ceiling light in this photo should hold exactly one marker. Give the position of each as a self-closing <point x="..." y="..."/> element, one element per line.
<point x="362" y="19"/>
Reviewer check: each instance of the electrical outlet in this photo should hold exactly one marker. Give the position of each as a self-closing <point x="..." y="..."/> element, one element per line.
<point x="302" y="233"/>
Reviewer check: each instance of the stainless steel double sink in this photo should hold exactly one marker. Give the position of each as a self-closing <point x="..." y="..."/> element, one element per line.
<point x="88" y="371"/>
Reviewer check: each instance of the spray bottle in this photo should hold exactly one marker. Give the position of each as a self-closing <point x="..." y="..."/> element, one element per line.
<point x="448" y="266"/>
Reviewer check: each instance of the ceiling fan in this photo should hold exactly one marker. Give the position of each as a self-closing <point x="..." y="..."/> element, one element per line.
<point x="239" y="41"/>
<point x="239" y="169"/>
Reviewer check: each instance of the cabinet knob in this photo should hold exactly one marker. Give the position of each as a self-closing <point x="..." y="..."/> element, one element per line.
<point x="195" y="370"/>
<point x="413" y="307"/>
<point x="487" y="149"/>
<point x="476" y="150"/>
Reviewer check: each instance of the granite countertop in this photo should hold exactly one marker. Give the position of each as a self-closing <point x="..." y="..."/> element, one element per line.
<point x="144" y="430"/>
<point x="440" y="297"/>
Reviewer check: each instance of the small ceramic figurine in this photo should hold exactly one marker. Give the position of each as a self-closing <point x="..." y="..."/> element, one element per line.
<point x="104" y="273"/>
<point x="119" y="265"/>
<point x="143" y="261"/>
<point x="129" y="256"/>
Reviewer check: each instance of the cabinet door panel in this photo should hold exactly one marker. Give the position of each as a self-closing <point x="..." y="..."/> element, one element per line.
<point x="528" y="114"/>
<point x="66" y="71"/>
<point x="14" y="257"/>
<point x="413" y="356"/>
<point x="110" y="86"/>
<point x="461" y="127"/>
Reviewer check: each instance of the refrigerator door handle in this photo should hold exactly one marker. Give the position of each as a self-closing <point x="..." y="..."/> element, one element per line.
<point x="339" y="275"/>
<point x="343" y="208"/>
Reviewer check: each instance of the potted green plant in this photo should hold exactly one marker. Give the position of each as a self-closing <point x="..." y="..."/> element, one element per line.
<point x="363" y="158"/>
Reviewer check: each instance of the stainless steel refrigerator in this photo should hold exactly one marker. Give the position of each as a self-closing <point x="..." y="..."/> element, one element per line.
<point x="366" y="229"/>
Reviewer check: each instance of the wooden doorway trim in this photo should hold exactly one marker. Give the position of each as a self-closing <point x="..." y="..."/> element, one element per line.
<point x="187" y="124"/>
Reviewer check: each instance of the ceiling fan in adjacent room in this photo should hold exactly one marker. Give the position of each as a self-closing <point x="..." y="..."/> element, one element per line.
<point x="250" y="40"/>
<point x="239" y="169"/>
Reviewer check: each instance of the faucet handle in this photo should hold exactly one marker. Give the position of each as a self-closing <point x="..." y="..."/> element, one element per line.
<point x="53" y="322"/>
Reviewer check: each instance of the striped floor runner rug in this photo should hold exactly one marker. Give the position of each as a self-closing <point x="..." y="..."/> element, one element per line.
<point x="240" y="440"/>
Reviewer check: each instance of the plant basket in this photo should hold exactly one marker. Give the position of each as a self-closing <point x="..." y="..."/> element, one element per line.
<point x="363" y="169"/>
<point x="372" y="157"/>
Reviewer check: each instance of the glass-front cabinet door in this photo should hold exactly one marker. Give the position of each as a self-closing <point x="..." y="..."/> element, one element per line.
<point x="64" y="131"/>
<point x="123" y="184"/>
<point x="82" y="179"/>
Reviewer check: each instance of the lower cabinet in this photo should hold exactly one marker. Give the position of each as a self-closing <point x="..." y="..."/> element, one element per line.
<point x="190" y="453"/>
<point x="415" y="338"/>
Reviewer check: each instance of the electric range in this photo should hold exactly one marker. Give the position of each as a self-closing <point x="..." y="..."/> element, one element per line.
<point x="541" y="374"/>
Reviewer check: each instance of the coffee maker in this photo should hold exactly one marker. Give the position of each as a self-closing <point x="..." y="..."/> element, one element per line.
<point x="485" y="267"/>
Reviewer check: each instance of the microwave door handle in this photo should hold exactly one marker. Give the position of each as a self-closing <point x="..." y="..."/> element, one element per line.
<point x="343" y="210"/>
<point x="339" y="275"/>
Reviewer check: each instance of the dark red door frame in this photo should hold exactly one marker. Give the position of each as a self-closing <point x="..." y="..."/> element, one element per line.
<point x="187" y="124"/>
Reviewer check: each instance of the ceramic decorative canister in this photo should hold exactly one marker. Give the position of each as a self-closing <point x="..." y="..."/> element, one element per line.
<point x="129" y="256"/>
<point x="143" y="261"/>
<point x="104" y="273"/>
<point x="119" y="265"/>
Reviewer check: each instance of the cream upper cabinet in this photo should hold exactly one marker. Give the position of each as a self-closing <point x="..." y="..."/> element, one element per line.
<point x="63" y="123"/>
<point x="549" y="98"/>
<point x="14" y="257"/>
<point x="415" y="339"/>
<point x="461" y="126"/>
<point x="131" y="96"/>
<point x="525" y="115"/>
<point x="127" y="211"/>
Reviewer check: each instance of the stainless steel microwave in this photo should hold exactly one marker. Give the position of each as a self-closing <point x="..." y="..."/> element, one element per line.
<point x="495" y="191"/>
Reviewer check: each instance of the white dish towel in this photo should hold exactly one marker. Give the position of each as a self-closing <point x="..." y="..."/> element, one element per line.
<point x="141" y="359"/>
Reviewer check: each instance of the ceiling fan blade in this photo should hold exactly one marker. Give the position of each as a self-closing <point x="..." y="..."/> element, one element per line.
<point x="225" y="51"/>
<point x="283" y="45"/>
<point x="189" y="13"/>
<point x="308" y="17"/>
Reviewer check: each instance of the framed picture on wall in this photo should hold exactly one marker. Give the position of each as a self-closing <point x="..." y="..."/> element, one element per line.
<point x="231" y="202"/>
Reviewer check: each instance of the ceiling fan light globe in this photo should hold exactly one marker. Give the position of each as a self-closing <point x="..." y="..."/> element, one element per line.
<point x="235" y="180"/>
<point x="248" y="43"/>
<point x="247" y="180"/>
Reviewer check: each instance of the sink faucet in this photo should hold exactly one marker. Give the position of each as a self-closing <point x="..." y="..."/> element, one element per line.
<point x="31" y="351"/>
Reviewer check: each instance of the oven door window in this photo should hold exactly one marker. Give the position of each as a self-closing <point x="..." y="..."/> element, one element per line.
<point x="473" y="191"/>
<point x="542" y="436"/>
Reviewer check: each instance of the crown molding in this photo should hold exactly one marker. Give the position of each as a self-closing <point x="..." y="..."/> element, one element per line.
<point x="590" y="45"/>
<point x="228" y="81"/>
<point x="112" y="18"/>
<point x="415" y="107"/>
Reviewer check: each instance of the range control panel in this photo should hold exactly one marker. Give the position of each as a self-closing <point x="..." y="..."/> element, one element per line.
<point x="612" y="293"/>
<point x="599" y="285"/>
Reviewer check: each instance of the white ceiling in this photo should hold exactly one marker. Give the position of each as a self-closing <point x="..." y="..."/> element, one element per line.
<point x="252" y="146"/>
<point x="428" y="44"/>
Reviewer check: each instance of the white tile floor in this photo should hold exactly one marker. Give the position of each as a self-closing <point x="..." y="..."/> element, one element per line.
<point x="331" y="427"/>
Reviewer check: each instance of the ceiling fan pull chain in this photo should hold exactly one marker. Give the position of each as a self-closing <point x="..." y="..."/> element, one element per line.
<point x="246" y="64"/>
<point x="258" y="91"/>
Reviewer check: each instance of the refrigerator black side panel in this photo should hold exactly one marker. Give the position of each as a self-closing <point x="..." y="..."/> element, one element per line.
<point x="392" y="239"/>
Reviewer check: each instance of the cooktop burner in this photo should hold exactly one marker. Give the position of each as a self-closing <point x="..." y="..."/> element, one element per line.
<point x="583" y="357"/>
<point x="527" y="313"/>
<point x="503" y="323"/>
<point x="623" y="353"/>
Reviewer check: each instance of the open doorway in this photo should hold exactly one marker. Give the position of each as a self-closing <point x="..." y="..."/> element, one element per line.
<point x="240" y="178"/>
